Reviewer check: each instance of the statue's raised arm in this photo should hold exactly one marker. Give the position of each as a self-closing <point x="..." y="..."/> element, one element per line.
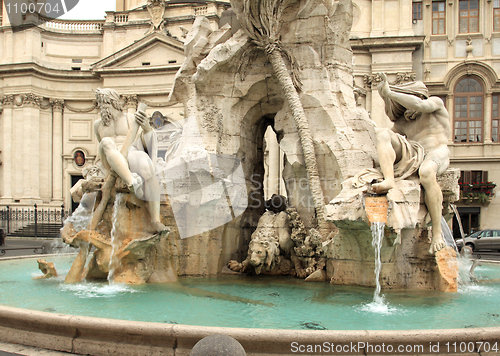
<point x="418" y="140"/>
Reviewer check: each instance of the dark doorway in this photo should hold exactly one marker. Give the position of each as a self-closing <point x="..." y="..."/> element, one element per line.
<point x="470" y="220"/>
<point x="74" y="180"/>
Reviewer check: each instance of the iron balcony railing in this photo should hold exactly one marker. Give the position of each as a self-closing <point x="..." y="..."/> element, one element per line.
<point x="37" y="222"/>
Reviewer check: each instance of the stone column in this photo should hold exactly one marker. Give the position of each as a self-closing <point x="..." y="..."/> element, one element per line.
<point x="378" y="10"/>
<point x="273" y="163"/>
<point x="6" y="135"/>
<point x="31" y="148"/>
<point x="57" y="150"/>
<point x="450" y="107"/>
<point x="487" y="119"/>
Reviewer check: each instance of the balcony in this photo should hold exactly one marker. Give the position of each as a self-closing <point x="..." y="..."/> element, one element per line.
<point x="476" y="192"/>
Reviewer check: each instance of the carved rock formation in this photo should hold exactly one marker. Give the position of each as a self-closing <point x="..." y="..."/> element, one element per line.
<point x="406" y="262"/>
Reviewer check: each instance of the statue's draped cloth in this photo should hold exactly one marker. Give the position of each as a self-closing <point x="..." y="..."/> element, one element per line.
<point x="412" y="153"/>
<point x="412" y="156"/>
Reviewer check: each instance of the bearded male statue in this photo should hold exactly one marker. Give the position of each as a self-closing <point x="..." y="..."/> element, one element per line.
<point x="128" y="147"/>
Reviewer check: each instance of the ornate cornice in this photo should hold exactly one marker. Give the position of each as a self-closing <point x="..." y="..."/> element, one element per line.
<point x="373" y="80"/>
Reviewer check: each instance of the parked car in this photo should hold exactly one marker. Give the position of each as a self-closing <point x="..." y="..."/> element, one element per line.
<point x="481" y="240"/>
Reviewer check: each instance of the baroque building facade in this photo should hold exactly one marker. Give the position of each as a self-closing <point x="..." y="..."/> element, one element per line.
<point x="453" y="46"/>
<point x="49" y="74"/>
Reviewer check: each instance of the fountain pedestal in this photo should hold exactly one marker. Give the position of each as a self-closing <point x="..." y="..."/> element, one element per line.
<point x="406" y="262"/>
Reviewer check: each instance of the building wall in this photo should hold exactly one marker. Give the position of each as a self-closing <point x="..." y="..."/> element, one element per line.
<point x="386" y="38"/>
<point x="48" y="77"/>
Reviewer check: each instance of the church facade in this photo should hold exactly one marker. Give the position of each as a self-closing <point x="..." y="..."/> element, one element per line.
<point x="49" y="73"/>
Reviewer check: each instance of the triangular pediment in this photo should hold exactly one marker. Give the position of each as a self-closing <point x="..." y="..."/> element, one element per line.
<point x="153" y="51"/>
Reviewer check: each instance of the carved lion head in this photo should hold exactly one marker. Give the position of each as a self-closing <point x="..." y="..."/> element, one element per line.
<point x="263" y="254"/>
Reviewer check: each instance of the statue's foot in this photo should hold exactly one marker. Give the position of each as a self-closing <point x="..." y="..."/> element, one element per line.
<point x="235" y="266"/>
<point x="159" y="227"/>
<point x="136" y="186"/>
<point x="384" y="186"/>
<point x="437" y="244"/>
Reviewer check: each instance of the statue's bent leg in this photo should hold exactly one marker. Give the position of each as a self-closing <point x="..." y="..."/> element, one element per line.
<point x="389" y="152"/>
<point x="112" y="157"/>
<point x="141" y="164"/>
<point x="434" y="202"/>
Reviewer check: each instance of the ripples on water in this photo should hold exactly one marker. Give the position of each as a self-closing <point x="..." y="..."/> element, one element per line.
<point x="262" y="302"/>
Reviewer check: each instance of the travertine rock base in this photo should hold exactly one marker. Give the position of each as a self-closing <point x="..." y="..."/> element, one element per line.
<point x="406" y="262"/>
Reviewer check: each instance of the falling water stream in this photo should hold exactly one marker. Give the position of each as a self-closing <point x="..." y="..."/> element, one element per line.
<point x="377" y="229"/>
<point x="115" y="244"/>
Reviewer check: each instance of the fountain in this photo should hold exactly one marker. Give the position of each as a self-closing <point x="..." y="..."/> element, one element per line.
<point x="288" y="68"/>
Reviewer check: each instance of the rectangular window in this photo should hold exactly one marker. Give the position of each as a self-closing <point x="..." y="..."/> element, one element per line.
<point x="495" y="118"/>
<point x="496" y="15"/>
<point x="468" y="177"/>
<point x="469" y="16"/>
<point x="468" y="119"/>
<point x="417" y="10"/>
<point x="438" y="17"/>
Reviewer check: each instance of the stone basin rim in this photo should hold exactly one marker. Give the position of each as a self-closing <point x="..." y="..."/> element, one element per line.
<point x="100" y="336"/>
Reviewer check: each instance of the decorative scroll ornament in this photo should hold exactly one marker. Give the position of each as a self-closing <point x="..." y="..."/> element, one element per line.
<point x="373" y="80"/>
<point x="31" y="99"/>
<point x="156" y="10"/>
<point x="57" y="104"/>
<point x="405" y="78"/>
<point x="7" y="100"/>
<point x="130" y="100"/>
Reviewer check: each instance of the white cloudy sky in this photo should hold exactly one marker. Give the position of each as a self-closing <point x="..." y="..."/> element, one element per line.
<point x="90" y="10"/>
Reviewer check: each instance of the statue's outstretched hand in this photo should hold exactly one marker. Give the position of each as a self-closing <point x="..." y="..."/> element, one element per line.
<point x="383" y="87"/>
<point x="143" y="121"/>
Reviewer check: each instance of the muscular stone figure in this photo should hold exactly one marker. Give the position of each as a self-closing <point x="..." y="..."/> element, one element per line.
<point x="134" y="164"/>
<point x="418" y="138"/>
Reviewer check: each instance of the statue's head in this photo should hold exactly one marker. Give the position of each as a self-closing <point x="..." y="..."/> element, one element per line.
<point x="108" y="101"/>
<point x="262" y="254"/>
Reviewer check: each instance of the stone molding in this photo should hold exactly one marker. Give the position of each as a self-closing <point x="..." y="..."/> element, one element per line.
<point x="73" y="109"/>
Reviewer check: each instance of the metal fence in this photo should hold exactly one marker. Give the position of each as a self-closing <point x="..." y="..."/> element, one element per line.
<point x="37" y="222"/>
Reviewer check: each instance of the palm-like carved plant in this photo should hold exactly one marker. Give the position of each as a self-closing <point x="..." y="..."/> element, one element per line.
<point x="262" y="21"/>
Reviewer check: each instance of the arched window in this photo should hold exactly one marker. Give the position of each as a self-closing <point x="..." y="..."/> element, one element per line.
<point x="469" y="111"/>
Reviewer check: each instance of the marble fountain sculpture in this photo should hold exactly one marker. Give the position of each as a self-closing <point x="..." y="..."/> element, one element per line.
<point x="289" y="67"/>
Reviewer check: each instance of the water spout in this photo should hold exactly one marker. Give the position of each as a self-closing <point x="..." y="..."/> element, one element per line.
<point x="376" y="211"/>
<point x="114" y="261"/>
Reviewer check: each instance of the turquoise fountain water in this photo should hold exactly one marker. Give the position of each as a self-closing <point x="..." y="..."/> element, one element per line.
<point x="253" y="302"/>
